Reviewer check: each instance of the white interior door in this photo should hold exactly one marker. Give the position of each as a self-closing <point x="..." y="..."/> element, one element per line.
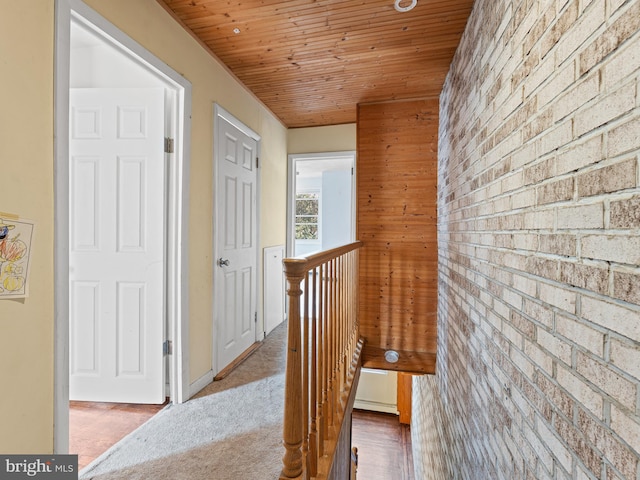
<point x="236" y="279"/>
<point x="116" y="251"/>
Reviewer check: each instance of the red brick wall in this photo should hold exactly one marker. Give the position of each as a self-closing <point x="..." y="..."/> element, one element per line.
<point x="538" y="370"/>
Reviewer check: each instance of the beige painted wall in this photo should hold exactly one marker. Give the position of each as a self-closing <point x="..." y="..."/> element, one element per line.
<point x="26" y="157"/>
<point x="333" y="138"/>
<point x="26" y="161"/>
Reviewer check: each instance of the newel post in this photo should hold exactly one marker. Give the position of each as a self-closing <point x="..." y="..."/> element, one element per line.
<point x="293" y="417"/>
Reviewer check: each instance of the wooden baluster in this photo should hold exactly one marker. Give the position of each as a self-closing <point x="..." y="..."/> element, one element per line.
<point x="325" y="357"/>
<point x="305" y="374"/>
<point x="341" y="285"/>
<point x="292" y="429"/>
<point x="340" y="348"/>
<point x="312" y="457"/>
<point x="353" y="309"/>
<point x="336" y="317"/>
<point x="352" y="318"/>
<point x="347" y="319"/>
<point x="331" y="346"/>
<point x="335" y="343"/>
<point x="354" y="296"/>
<point x="345" y="358"/>
<point x="328" y="413"/>
<point x="347" y="274"/>
<point x="320" y="366"/>
<point x="356" y="290"/>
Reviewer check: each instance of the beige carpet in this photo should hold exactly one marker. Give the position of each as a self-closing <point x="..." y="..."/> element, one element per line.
<point x="230" y="430"/>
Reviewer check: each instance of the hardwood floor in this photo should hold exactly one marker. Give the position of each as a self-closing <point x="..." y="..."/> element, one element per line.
<point x="384" y="446"/>
<point x="95" y="426"/>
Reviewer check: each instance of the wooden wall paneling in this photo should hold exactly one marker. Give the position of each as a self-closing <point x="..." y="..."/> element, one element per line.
<point x="397" y="221"/>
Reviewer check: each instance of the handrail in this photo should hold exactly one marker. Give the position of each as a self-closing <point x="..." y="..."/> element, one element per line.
<point x="322" y="353"/>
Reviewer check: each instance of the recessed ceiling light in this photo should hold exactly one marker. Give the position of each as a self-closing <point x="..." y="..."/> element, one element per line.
<point x="391" y="356"/>
<point x="236" y="30"/>
<point x="407" y="8"/>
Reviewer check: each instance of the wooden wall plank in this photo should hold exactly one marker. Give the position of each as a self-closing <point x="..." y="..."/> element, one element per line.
<point x="397" y="220"/>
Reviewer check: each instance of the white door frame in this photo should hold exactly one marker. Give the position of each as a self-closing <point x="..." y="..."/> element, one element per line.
<point x="293" y="158"/>
<point x="221" y="113"/>
<point x="177" y="216"/>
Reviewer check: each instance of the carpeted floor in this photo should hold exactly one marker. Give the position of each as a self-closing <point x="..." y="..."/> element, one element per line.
<point x="230" y="430"/>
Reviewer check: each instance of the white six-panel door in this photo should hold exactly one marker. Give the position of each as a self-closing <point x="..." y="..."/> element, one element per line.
<point x="236" y="264"/>
<point x="117" y="231"/>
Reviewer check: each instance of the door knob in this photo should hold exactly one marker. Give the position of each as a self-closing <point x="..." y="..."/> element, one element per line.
<point x="223" y="262"/>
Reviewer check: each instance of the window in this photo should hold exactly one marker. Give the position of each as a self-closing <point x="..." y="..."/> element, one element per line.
<point x="307" y="210"/>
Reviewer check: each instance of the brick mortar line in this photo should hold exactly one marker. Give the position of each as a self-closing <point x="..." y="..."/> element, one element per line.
<point x="585" y="380"/>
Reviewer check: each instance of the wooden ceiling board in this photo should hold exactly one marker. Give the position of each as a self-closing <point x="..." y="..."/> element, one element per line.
<point x="312" y="61"/>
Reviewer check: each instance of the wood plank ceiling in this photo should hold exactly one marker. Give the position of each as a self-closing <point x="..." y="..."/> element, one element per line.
<point x="312" y="61"/>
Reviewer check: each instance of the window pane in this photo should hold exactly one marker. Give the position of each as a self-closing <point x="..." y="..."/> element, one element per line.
<point x="307" y="232"/>
<point x="306" y="207"/>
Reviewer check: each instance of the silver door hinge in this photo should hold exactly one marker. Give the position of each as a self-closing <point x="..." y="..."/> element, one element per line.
<point x="255" y="317"/>
<point x="167" y="347"/>
<point x="168" y="145"/>
<point x="257" y="161"/>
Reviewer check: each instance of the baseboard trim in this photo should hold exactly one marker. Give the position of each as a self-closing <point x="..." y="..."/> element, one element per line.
<point x="232" y="366"/>
<point x="375" y="406"/>
<point x="200" y="383"/>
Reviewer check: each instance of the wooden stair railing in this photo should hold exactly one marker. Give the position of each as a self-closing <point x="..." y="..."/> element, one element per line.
<point x="323" y="355"/>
